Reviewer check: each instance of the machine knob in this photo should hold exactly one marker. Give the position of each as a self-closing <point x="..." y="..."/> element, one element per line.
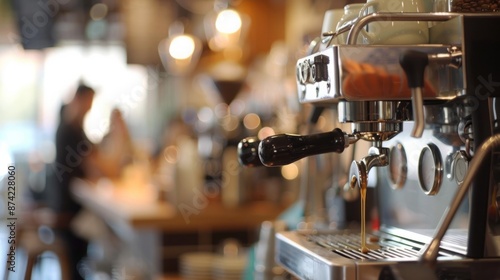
<point x="248" y="154"/>
<point x="304" y="72"/>
<point x="283" y="149"/>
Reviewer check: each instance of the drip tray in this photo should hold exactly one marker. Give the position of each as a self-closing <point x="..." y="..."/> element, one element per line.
<point x="337" y="255"/>
<point x="348" y="244"/>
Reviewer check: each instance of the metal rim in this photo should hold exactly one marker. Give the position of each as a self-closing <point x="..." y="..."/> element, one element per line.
<point x="438" y="169"/>
<point x="398" y="183"/>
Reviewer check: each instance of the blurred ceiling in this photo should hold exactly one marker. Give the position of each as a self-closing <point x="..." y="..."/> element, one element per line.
<point x="141" y="25"/>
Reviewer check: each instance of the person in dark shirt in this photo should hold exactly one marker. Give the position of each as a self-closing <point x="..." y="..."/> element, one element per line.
<point x="74" y="155"/>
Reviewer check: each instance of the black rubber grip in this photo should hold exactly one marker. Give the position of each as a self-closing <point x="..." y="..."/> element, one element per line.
<point x="283" y="149"/>
<point x="414" y="63"/>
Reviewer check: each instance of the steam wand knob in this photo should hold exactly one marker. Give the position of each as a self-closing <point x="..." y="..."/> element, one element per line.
<point x="283" y="149"/>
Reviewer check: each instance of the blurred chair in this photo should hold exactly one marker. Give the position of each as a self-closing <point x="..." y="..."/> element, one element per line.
<point x="37" y="235"/>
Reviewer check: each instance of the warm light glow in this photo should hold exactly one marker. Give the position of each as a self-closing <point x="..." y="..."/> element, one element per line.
<point x="98" y="11"/>
<point x="228" y="21"/>
<point x="221" y="110"/>
<point x="321" y="124"/>
<point x="181" y="47"/>
<point x="265" y="132"/>
<point x="230" y="122"/>
<point x="251" y="121"/>
<point x="170" y="154"/>
<point x="234" y="53"/>
<point x="237" y="107"/>
<point x="290" y="171"/>
<point x="179" y="53"/>
<point x="205" y="115"/>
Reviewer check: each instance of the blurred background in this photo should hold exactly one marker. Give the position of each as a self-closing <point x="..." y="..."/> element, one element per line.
<point x="191" y="79"/>
<point x="48" y="47"/>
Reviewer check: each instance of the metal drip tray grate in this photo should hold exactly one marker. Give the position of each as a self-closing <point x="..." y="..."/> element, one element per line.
<point x="348" y="245"/>
<point x="337" y="255"/>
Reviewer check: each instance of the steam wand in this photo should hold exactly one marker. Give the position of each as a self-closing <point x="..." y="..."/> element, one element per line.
<point x="414" y="64"/>
<point x="430" y="252"/>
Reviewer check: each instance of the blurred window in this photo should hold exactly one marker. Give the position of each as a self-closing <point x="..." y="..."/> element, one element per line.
<point x="34" y="84"/>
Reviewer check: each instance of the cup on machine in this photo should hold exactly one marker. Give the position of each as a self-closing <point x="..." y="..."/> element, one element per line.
<point x="389" y="32"/>
<point x="330" y="21"/>
<point x="351" y="13"/>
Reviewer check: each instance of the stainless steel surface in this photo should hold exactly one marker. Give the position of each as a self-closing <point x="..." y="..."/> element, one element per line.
<point x="459" y="166"/>
<point x="418" y="112"/>
<point x="430" y="252"/>
<point x="373" y="120"/>
<point x="413" y="211"/>
<point x="356" y="27"/>
<point x="398" y="166"/>
<point x="416" y="179"/>
<point x="358" y="174"/>
<point x="376" y="131"/>
<point x="368" y="72"/>
<point x="430" y="169"/>
<point x="370" y="111"/>
<point x="335" y="254"/>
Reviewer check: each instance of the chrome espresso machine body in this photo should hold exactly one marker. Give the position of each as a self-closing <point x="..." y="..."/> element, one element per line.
<point x="431" y="112"/>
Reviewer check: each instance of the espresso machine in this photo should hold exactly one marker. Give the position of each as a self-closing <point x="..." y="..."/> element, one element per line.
<point x="431" y="114"/>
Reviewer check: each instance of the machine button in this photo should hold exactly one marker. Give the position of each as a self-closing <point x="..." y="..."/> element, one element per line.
<point x="311" y="72"/>
<point x="321" y="67"/>
<point x="302" y="72"/>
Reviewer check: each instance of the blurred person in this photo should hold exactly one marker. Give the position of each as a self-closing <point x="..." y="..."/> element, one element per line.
<point x="76" y="157"/>
<point x="116" y="146"/>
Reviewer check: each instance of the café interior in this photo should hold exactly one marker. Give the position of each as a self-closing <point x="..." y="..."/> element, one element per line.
<point x="249" y="139"/>
<point x="190" y="79"/>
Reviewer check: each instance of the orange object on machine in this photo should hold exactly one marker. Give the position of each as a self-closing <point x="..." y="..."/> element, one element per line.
<point x="365" y="81"/>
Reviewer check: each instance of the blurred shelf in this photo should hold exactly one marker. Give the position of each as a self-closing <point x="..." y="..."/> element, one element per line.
<point x="169" y="277"/>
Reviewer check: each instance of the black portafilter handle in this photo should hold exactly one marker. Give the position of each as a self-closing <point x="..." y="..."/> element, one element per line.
<point x="283" y="149"/>
<point x="248" y="152"/>
<point x="248" y="148"/>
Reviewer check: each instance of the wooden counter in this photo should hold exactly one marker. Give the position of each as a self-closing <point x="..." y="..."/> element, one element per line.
<point x="158" y="232"/>
<point x="141" y="209"/>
